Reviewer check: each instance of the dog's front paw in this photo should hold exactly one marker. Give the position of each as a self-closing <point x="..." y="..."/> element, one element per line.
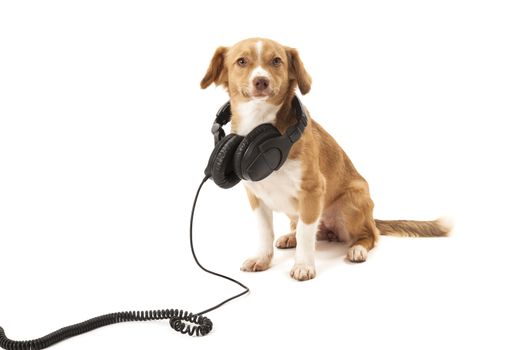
<point x="302" y="272"/>
<point x="256" y="264"/>
<point x="357" y="253"/>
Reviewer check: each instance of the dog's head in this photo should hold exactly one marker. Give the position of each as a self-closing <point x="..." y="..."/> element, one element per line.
<point x="257" y="69"/>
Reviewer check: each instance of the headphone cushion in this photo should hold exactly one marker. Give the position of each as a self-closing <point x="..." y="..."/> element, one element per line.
<point x="258" y="135"/>
<point x="221" y="161"/>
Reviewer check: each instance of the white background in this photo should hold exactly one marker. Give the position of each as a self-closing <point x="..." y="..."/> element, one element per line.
<point x="104" y="135"/>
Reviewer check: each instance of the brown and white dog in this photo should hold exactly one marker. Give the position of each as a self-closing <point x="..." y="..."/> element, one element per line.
<point x="318" y="187"/>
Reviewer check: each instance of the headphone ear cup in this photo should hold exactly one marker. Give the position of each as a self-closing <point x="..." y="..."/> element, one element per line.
<point x="221" y="162"/>
<point x="260" y="134"/>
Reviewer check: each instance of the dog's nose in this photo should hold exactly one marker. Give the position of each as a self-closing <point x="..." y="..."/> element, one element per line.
<point x="261" y="83"/>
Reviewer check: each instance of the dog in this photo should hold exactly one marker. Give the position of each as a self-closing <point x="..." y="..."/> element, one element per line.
<point x="317" y="187"/>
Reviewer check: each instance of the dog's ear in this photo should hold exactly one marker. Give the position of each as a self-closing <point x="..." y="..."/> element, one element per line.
<point x="297" y="71"/>
<point x="216" y="71"/>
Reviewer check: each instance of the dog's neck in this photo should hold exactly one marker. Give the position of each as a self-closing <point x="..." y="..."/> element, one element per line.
<point x="247" y="115"/>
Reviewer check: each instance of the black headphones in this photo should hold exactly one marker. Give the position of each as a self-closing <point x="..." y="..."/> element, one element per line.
<point x="254" y="156"/>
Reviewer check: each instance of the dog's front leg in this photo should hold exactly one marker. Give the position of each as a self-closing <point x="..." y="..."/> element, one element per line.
<point x="309" y="213"/>
<point x="264" y="218"/>
<point x="304" y="268"/>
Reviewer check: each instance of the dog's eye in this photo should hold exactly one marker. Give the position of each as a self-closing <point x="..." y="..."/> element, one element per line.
<point x="242" y="62"/>
<point x="277" y="61"/>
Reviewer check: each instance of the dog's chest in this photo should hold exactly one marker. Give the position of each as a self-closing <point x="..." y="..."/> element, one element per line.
<point x="279" y="191"/>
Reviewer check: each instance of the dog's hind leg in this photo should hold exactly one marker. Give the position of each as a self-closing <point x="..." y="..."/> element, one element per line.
<point x="289" y="240"/>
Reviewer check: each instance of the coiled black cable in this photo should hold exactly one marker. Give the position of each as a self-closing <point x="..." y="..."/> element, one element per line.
<point x="181" y="321"/>
<point x="178" y="320"/>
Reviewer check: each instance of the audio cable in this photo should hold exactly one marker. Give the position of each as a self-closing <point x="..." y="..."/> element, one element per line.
<point x="182" y="321"/>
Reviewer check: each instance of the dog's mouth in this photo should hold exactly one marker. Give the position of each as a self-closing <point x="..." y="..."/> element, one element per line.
<point x="257" y="94"/>
<point x="261" y="94"/>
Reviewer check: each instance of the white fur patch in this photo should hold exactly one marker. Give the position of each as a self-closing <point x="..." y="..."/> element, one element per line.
<point x="259" y="49"/>
<point x="254" y="113"/>
<point x="279" y="191"/>
<point x="446" y="223"/>
<point x="305" y="248"/>
<point x="258" y="72"/>
<point x="264" y="218"/>
<point x="357" y="253"/>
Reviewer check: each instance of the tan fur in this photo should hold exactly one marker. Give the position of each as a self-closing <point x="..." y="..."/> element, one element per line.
<point x="254" y="201"/>
<point x="216" y="73"/>
<point x="331" y="190"/>
<point x="407" y="228"/>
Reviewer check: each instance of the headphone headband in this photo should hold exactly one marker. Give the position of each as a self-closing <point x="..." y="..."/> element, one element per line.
<point x="293" y="133"/>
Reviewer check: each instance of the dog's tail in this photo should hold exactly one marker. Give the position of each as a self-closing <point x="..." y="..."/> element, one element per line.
<point x="412" y="228"/>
